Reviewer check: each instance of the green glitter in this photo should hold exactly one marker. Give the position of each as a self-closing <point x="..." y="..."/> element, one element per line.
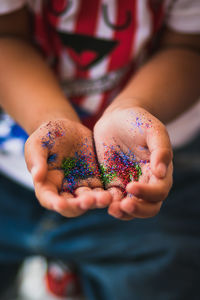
<point x="131" y="177"/>
<point x="139" y="173"/>
<point x="108" y="176"/>
<point x="105" y="176"/>
<point x="138" y="168"/>
<point x="67" y="165"/>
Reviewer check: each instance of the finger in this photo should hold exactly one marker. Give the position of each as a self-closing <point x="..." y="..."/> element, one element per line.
<point x="159" y="146"/>
<point x="153" y="192"/>
<point x="140" y="209"/>
<point x="116" y="212"/>
<point x="47" y="194"/>
<point x="48" y="190"/>
<point x="80" y="190"/>
<point x="148" y="192"/>
<point x="70" y="206"/>
<point x="102" y="198"/>
<point x="86" y="198"/>
<point x="160" y="161"/>
<point x="116" y="193"/>
<point x="36" y="159"/>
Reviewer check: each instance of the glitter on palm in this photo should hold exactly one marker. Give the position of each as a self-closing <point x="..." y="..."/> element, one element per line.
<point x="121" y="165"/>
<point x="77" y="168"/>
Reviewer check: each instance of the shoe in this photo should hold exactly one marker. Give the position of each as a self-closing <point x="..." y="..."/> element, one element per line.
<point x="62" y="281"/>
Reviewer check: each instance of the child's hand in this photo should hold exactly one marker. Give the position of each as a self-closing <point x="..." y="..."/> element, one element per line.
<point x="61" y="158"/>
<point x="130" y="142"/>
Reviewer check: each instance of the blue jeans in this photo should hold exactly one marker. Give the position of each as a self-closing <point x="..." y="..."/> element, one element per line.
<point x="155" y="258"/>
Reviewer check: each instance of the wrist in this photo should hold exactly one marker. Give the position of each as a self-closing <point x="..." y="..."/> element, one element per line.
<point x="53" y="116"/>
<point x="124" y="103"/>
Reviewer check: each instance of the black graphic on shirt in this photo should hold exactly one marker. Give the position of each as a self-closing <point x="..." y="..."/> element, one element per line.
<point x="86" y="50"/>
<point x="126" y="23"/>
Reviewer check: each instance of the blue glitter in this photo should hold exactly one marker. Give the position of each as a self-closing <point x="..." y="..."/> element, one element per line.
<point x="52" y="158"/>
<point x="47" y="144"/>
<point x="77" y="168"/>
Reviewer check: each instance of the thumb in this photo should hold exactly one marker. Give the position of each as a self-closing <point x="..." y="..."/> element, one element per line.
<point x="36" y="159"/>
<point x="160" y="151"/>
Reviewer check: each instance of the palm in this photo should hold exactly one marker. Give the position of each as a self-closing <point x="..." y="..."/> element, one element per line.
<point x="132" y="135"/>
<point x="125" y="135"/>
<point x="70" y="152"/>
<point x="68" y="169"/>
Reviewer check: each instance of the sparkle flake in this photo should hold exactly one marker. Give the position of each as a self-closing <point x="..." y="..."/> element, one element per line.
<point x="121" y="165"/>
<point x="77" y="168"/>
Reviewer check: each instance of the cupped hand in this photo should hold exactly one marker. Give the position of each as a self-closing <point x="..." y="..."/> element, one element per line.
<point x="135" y="155"/>
<point x="60" y="156"/>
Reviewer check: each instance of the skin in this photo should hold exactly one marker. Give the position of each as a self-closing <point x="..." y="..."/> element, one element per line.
<point x="148" y="142"/>
<point x="32" y="104"/>
<point x="49" y="178"/>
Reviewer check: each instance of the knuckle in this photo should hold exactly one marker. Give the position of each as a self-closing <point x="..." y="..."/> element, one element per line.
<point x="163" y="195"/>
<point x="60" y="207"/>
<point x="157" y="208"/>
<point x="167" y="154"/>
<point x="155" y="212"/>
<point x="43" y="203"/>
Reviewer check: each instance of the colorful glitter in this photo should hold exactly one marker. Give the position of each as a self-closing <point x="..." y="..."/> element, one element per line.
<point x="82" y="165"/>
<point x="77" y="168"/>
<point x="67" y="165"/>
<point x="121" y="165"/>
<point x="47" y="143"/>
<point x="140" y="122"/>
<point x="106" y="177"/>
<point x="52" y="135"/>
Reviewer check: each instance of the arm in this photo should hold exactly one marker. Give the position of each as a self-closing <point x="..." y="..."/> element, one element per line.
<point x="31" y="94"/>
<point x="28" y="87"/>
<point x="163" y="88"/>
<point x="169" y="82"/>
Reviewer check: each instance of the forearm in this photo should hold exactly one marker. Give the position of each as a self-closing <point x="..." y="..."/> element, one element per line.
<point x="166" y="85"/>
<point x="29" y="91"/>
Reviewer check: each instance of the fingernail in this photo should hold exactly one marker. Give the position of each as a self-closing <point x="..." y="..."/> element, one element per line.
<point x="162" y="169"/>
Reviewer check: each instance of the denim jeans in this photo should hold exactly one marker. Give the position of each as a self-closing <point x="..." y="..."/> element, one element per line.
<point x="156" y="258"/>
